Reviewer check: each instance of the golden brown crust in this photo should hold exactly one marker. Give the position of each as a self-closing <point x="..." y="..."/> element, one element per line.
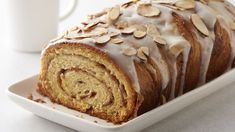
<point x="187" y="30"/>
<point x="221" y="52"/>
<point x="44" y="88"/>
<point x="150" y="85"/>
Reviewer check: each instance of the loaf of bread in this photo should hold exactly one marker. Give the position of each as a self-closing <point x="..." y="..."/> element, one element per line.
<point x="131" y="58"/>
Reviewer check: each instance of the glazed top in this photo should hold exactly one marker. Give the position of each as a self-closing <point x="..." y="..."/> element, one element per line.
<point x="135" y="30"/>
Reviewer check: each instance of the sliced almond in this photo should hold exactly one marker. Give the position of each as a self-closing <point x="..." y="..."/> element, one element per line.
<point x="185" y="4"/>
<point x="73" y="35"/>
<point x="232" y="25"/>
<point x="103" y="39"/>
<point x="205" y="2"/>
<point x="130" y="51"/>
<point x="99" y="14"/>
<point x="152" y="30"/>
<point x="114" y="12"/>
<point x="140" y="27"/>
<point x="143" y="52"/>
<point x="141" y="55"/>
<point x="104" y="25"/>
<point x="81" y="36"/>
<point x="85" y="23"/>
<point x="103" y="21"/>
<point x="99" y="31"/>
<point x="128" y="30"/>
<point x="148" y="10"/>
<point x="139" y="34"/>
<point x="174" y="7"/>
<point x="199" y="24"/>
<point x="129" y="3"/>
<point x="114" y="34"/>
<point x="140" y="31"/>
<point x="176" y="49"/>
<point x="90" y="25"/>
<point x="116" y="40"/>
<point x="74" y="28"/>
<point x="79" y="30"/>
<point x="164" y="1"/>
<point x="159" y="40"/>
<point x="121" y="24"/>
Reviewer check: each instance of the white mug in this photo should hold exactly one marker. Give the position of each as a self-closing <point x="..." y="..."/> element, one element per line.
<point x="32" y="23"/>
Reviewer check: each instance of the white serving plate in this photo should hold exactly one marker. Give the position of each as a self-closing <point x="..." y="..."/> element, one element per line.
<point x="82" y="122"/>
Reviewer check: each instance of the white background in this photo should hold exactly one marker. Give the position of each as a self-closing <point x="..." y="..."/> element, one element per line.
<point x="215" y="113"/>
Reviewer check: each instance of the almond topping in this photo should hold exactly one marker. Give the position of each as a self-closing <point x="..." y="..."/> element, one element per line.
<point x="176" y="49"/>
<point x="140" y="31"/>
<point x="74" y="28"/>
<point x="116" y="40"/>
<point x="103" y="39"/>
<point x="232" y="25"/>
<point x="83" y="36"/>
<point x="140" y="27"/>
<point x="165" y="1"/>
<point x="130" y="51"/>
<point x="129" y="3"/>
<point x="199" y="24"/>
<point x="204" y="1"/>
<point x="139" y="34"/>
<point x="90" y="25"/>
<point x="99" y="31"/>
<point x="148" y="10"/>
<point x="114" y="12"/>
<point x="159" y="40"/>
<point x="143" y="52"/>
<point x="152" y="30"/>
<point x="185" y="4"/>
<point x="99" y="14"/>
<point x="128" y="30"/>
<point x="74" y="35"/>
<point x="174" y="7"/>
<point x="114" y="34"/>
<point x="121" y="24"/>
<point x="96" y="32"/>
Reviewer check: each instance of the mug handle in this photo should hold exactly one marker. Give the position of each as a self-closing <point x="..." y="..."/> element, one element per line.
<point x="69" y="10"/>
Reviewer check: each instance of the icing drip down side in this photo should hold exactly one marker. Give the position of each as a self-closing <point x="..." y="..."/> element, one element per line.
<point x="137" y="30"/>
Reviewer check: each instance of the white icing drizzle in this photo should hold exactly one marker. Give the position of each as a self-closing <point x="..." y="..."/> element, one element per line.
<point x="208" y="15"/>
<point x="167" y="30"/>
<point x="207" y="44"/>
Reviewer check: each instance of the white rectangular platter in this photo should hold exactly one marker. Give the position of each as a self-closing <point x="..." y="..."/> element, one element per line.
<point x="20" y="91"/>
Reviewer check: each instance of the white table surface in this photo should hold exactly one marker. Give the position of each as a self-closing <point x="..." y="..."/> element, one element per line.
<point x="216" y="113"/>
